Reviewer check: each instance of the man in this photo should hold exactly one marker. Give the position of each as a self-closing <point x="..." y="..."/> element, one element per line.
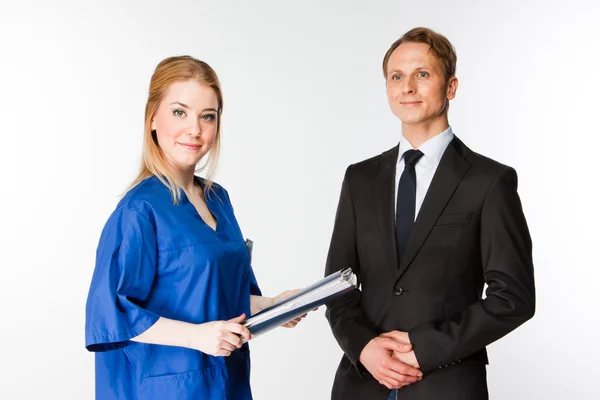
<point x="424" y="225"/>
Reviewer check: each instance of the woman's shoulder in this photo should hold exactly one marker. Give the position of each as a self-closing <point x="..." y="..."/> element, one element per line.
<point x="218" y="191"/>
<point x="146" y="197"/>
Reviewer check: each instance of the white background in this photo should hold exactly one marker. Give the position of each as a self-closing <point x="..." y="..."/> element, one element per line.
<point x="304" y="97"/>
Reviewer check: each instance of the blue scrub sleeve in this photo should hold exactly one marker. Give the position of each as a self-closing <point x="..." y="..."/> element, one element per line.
<point x="126" y="262"/>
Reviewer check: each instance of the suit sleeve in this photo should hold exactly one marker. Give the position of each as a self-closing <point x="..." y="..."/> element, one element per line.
<point x="508" y="271"/>
<point x="346" y="318"/>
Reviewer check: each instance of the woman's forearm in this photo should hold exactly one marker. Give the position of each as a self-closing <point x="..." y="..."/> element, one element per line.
<point x="168" y="332"/>
<point x="259" y="303"/>
<point x="217" y="338"/>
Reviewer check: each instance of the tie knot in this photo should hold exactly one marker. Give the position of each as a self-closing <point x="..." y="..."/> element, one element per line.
<point x="412" y="156"/>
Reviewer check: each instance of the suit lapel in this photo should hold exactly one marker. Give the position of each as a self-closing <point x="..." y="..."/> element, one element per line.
<point x="383" y="192"/>
<point x="450" y="171"/>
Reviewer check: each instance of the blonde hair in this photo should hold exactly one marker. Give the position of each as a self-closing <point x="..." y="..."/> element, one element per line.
<point x="439" y="45"/>
<point x="154" y="162"/>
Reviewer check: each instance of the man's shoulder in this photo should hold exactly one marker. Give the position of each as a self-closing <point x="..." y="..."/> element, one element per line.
<point x="372" y="164"/>
<point x="487" y="165"/>
<point x="478" y="162"/>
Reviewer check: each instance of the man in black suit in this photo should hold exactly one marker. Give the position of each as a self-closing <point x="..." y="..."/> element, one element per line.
<point x="424" y="226"/>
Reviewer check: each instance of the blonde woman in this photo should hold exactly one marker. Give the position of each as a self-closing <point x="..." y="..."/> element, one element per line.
<point x="173" y="282"/>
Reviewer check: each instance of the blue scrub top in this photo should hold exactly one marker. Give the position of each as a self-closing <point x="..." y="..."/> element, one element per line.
<point x="156" y="259"/>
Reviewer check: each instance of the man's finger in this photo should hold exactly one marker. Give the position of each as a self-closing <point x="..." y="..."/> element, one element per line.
<point x="397" y="380"/>
<point x="404" y="369"/>
<point x="386" y="383"/>
<point x="396" y="376"/>
<point x="392" y="344"/>
<point x="398" y="336"/>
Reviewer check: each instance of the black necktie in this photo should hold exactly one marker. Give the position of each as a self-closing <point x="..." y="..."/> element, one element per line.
<point x="405" y="203"/>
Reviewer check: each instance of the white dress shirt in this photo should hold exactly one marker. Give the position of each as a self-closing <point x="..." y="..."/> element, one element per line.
<point x="432" y="150"/>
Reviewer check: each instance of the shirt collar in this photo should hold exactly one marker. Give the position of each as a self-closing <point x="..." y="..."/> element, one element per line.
<point x="432" y="149"/>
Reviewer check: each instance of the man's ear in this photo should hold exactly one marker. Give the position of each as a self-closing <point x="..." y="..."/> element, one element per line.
<point x="451" y="88"/>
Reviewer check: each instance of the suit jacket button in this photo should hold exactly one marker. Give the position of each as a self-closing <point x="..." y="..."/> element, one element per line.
<point x="398" y="291"/>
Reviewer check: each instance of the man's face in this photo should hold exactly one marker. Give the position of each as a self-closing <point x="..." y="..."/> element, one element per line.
<point x="416" y="88"/>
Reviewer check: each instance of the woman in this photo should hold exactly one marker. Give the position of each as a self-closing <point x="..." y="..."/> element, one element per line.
<point x="173" y="281"/>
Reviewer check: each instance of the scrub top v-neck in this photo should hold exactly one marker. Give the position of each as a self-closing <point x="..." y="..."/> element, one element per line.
<point x="157" y="259"/>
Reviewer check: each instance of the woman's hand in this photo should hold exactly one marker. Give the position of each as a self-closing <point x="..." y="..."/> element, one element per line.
<point x="283" y="296"/>
<point x="219" y="338"/>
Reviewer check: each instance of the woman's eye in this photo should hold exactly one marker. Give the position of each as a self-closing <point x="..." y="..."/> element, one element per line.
<point x="208" y="117"/>
<point x="179" y="113"/>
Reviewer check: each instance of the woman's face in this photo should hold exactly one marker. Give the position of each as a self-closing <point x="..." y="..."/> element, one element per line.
<point x="186" y="123"/>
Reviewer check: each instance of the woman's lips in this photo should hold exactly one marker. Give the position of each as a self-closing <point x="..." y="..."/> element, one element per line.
<point x="190" y="146"/>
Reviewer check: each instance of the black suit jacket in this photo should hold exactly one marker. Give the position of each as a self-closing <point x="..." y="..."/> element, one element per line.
<point x="470" y="230"/>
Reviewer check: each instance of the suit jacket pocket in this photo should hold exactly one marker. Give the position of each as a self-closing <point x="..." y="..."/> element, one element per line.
<point x="454" y="219"/>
